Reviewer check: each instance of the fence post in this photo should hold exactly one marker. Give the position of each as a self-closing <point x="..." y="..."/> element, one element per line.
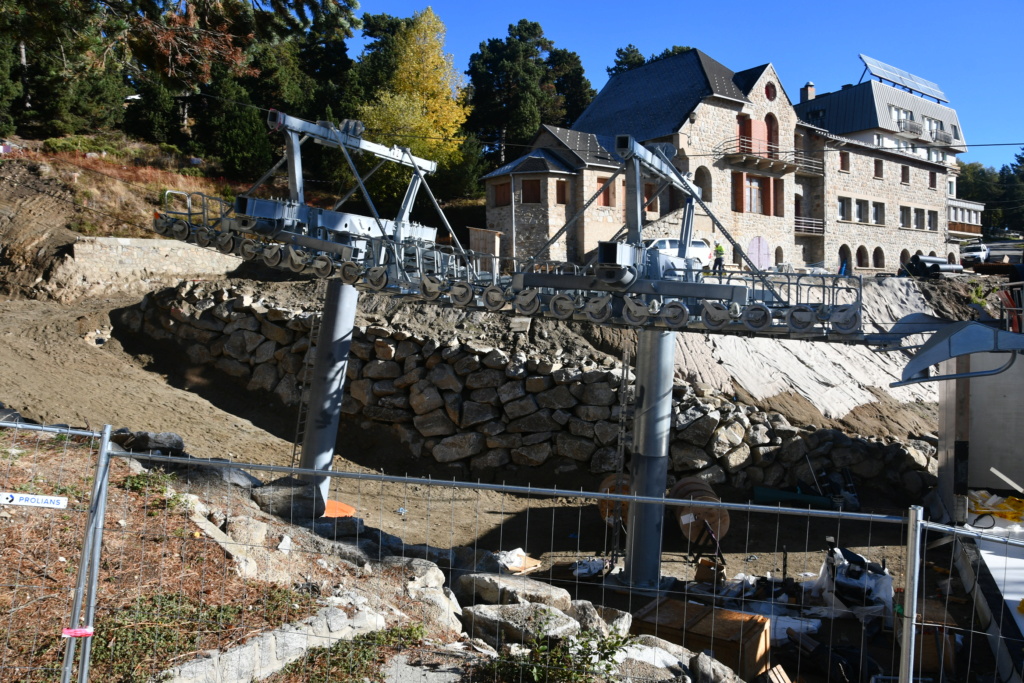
<point x="88" y="568"/>
<point x="910" y="591"/>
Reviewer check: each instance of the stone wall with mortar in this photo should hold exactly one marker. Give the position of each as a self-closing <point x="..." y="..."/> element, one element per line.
<point x="477" y="405"/>
<point x="101" y="266"/>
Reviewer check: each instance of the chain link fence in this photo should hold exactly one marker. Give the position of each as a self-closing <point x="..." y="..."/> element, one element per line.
<point x="171" y="568"/>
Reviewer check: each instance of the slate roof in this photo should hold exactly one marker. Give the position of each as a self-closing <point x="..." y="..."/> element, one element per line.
<point x="653" y="100"/>
<point x="577" y="150"/>
<point x="537" y="161"/>
<point x="866" y="106"/>
<point x="746" y="79"/>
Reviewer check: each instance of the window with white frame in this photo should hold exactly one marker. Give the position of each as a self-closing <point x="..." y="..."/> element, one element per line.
<point x="845" y="207"/>
<point x="932" y="124"/>
<point x="878" y="213"/>
<point x="879" y="140"/>
<point x="862" y="210"/>
<point x="900" y="114"/>
<point x="904" y="216"/>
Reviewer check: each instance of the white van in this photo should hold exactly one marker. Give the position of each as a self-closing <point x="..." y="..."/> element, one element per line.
<point x="670" y="247"/>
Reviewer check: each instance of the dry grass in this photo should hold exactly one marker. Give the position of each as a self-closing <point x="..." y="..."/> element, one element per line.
<point x="166" y="592"/>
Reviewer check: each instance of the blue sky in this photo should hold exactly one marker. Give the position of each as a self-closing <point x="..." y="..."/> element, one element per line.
<point x="972" y="50"/>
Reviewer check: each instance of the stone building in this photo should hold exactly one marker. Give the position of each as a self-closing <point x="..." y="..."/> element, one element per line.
<point x="837" y="180"/>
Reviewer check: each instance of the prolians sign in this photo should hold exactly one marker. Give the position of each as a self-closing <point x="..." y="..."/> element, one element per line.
<point x="56" y="502"/>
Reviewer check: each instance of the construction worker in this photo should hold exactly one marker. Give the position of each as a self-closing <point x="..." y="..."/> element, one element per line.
<point x="719" y="267"/>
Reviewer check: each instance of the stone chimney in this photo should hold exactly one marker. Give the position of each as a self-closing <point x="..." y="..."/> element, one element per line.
<point x="807" y="92"/>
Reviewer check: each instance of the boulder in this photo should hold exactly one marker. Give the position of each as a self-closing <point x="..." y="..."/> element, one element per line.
<point x="460" y="446"/>
<point x="687" y="457"/>
<point x="434" y="423"/>
<point x="499" y="624"/>
<point x="534" y="455"/>
<point x="559" y="398"/>
<point x="499" y="589"/>
<point x="574" y="447"/>
<point x="725" y="439"/>
<point x="605" y="459"/>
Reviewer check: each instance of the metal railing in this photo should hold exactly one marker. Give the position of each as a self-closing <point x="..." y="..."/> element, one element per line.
<point x="808" y="226"/>
<point x="769" y="152"/>
<point x="941" y="136"/>
<point x="910" y="127"/>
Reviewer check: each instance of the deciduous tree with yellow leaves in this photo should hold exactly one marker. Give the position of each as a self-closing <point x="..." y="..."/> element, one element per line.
<point x="421" y="106"/>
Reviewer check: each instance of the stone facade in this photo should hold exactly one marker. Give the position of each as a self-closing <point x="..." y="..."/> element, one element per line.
<point x="772" y="181"/>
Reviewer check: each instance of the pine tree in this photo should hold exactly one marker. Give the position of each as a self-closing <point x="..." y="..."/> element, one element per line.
<point x="519" y="82"/>
<point x="230" y="129"/>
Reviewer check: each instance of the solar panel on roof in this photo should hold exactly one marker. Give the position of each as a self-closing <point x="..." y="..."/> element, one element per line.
<point x="904" y="78"/>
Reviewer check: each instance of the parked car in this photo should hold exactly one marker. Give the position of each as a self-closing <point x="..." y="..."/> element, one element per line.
<point x="974" y="253"/>
<point x="670" y="247"/>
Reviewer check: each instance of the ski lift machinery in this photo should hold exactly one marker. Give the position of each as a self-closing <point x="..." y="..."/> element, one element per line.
<point x="626" y="285"/>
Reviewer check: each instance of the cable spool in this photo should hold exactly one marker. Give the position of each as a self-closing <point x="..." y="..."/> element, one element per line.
<point x="614" y="511"/>
<point x="691" y="518"/>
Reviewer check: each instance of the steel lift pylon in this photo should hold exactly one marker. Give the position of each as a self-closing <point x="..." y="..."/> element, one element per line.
<point x="627" y="285"/>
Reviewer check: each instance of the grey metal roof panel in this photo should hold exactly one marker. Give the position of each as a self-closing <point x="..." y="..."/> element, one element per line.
<point x="866" y="106"/>
<point x="653" y="100"/>
<point x="537" y="161"/>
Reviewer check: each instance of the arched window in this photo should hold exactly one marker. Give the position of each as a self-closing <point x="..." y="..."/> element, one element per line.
<point x="918" y="253"/>
<point x="862" y="257"/>
<point x="931" y="253"/>
<point x="771" y="128"/>
<point x="951" y="258"/>
<point x="844" y="260"/>
<point x="878" y="258"/>
<point x="778" y="255"/>
<point x="904" y="256"/>
<point x="702" y="179"/>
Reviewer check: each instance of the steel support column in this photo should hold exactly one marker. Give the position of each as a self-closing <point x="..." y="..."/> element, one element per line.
<point x="327" y="388"/>
<point x="649" y="466"/>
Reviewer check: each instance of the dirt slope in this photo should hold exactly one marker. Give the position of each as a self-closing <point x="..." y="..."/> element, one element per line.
<point x="51" y="372"/>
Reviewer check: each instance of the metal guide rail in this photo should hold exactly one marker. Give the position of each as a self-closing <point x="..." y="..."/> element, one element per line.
<point x="627" y="285"/>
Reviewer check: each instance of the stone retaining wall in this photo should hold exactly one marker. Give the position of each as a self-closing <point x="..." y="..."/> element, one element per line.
<point x="463" y="402"/>
<point x="100" y="266"/>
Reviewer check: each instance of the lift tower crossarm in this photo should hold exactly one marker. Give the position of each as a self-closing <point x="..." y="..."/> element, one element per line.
<point x="327" y="134"/>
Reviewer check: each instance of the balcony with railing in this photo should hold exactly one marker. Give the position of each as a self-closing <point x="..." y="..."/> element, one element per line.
<point x="808" y="226"/>
<point x="910" y="129"/>
<point x="943" y="137"/>
<point x="757" y="154"/>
